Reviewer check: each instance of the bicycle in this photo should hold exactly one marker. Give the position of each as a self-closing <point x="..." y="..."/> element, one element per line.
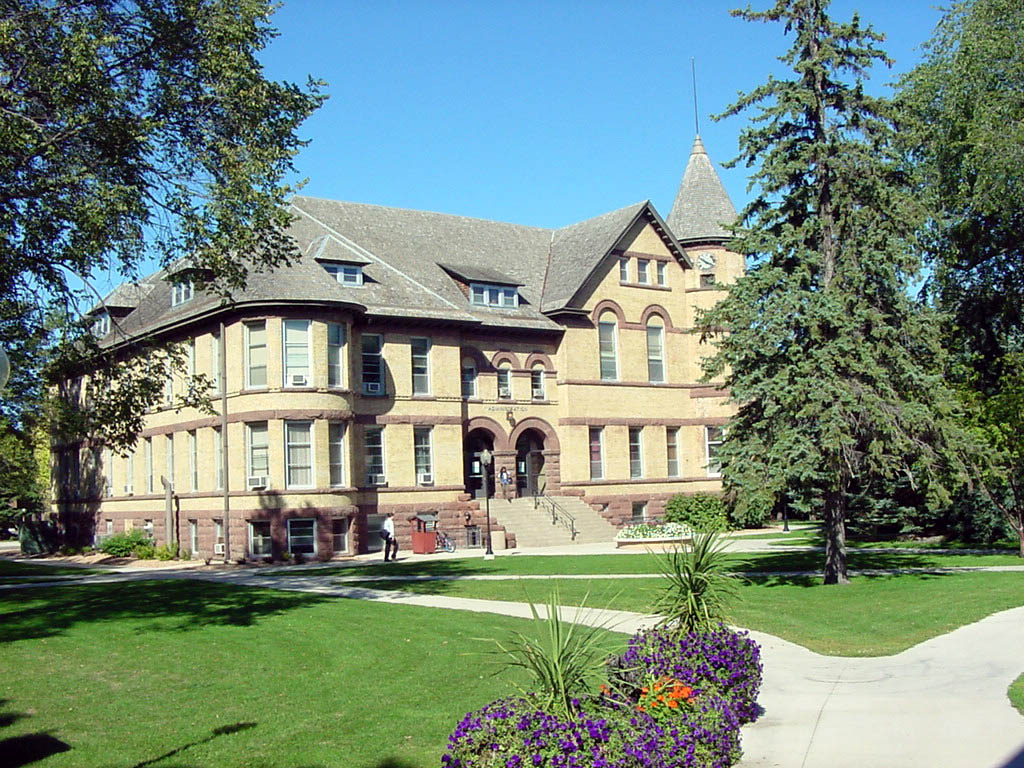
<point x="445" y="542"/>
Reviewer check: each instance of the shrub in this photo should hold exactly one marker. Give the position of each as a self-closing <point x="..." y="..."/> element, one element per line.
<point x="699" y="588"/>
<point x="145" y="552"/>
<point x="516" y="733"/>
<point x="701" y="511"/>
<point x="125" y="544"/>
<point x="720" y="661"/>
<point x="164" y="552"/>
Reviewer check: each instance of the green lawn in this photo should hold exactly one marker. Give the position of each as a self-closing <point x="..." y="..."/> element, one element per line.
<point x="1016" y="694"/>
<point x="176" y="674"/>
<point x="872" y="616"/>
<point x="18" y="573"/>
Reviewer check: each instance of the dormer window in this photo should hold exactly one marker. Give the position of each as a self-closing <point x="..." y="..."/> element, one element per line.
<point x="101" y="325"/>
<point x="181" y="292"/>
<point x="346" y="274"/>
<point x="484" y="295"/>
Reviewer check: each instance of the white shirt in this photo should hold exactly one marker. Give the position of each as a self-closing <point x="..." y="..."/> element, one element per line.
<point x="389" y="527"/>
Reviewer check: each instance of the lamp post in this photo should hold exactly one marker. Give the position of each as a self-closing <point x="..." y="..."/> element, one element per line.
<point x="485" y="459"/>
<point x="5" y="367"/>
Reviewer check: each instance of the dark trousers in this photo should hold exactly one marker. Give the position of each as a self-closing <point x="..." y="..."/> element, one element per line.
<point x="391" y="546"/>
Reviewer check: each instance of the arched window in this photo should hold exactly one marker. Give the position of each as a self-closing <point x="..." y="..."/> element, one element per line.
<point x="655" y="350"/>
<point x="606" y="332"/>
<point x="537" y="382"/>
<point x="468" y="377"/>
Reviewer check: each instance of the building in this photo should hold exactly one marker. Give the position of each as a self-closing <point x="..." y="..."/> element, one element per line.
<point x="371" y="376"/>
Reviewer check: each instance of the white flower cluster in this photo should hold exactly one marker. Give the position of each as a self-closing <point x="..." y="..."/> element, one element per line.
<point x="656" y="531"/>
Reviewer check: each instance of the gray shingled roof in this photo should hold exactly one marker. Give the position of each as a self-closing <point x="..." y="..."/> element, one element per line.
<point x="702" y="207"/>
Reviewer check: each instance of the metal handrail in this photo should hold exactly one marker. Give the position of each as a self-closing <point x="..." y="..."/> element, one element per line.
<point x="559" y="516"/>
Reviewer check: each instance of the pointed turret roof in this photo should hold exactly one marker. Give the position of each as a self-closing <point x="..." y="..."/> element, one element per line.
<point x="702" y="207"/>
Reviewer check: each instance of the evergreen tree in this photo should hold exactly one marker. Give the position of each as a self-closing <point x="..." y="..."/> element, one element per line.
<point x="962" y="123"/>
<point x="833" y="367"/>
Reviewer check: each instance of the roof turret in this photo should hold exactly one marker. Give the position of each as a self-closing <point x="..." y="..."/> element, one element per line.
<point x="702" y="208"/>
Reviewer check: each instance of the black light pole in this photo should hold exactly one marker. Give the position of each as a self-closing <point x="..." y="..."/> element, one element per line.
<point x="485" y="459"/>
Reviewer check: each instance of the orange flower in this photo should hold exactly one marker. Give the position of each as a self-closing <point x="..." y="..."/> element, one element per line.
<point x="604" y="688"/>
<point x="640" y="707"/>
<point x="672" y="703"/>
<point x="644" y="689"/>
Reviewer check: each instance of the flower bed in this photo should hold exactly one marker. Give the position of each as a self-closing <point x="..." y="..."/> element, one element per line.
<point x="648" y="532"/>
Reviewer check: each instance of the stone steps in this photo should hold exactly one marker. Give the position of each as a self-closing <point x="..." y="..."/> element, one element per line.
<point x="533" y="527"/>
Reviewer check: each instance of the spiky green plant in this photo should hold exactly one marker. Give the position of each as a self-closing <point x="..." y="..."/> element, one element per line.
<point x="564" y="660"/>
<point x="699" y="588"/>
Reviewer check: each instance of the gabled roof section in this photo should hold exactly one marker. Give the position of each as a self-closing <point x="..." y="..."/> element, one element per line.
<point x="123" y="299"/>
<point x="331" y="250"/>
<point x="577" y="251"/>
<point x="473" y="274"/>
<point x="702" y="208"/>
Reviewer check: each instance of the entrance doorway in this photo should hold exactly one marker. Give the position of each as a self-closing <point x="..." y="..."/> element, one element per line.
<point x="476" y="442"/>
<point x="531" y="477"/>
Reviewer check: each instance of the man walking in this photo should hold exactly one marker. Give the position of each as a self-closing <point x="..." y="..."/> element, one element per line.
<point x="390" y="542"/>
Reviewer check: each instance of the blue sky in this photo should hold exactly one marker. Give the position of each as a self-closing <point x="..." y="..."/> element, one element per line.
<point x="539" y="113"/>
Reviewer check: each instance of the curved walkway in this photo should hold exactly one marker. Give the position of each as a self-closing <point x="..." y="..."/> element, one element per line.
<point x="940" y="704"/>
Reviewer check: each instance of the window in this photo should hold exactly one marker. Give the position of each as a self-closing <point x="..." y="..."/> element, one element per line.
<point x="373" y="364"/>
<point x="623" y="269"/>
<point x="218" y="536"/>
<point x="129" y="474"/>
<point x="335" y="348"/>
<point x="215" y="360"/>
<point x="107" y="458"/>
<point x="468" y="378"/>
<point x="606" y="344"/>
<point x="537" y="383"/>
<point x="374" y="445"/>
<point x="655" y="351"/>
<point x="181" y="292"/>
<point x="636" y="459"/>
<point x="713" y="438"/>
<point x="101" y="325"/>
<point x="422" y="456"/>
<point x="218" y="457"/>
<point x="193" y="461"/>
<point x="109" y="525"/>
<point x="596" y="453"/>
<point x="672" y="450"/>
<point x="336" y="452"/>
<point x="485" y="295"/>
<point x="259" y="538"/>
<point x="661" y="267"/>
<point x="296" y="353"/>
<point x="169" y="386"/>
<point x="339" y="534"/>
<point x="420" y="366"/>
<point x="258" y="451"/>
<point x="169" y="459"/>
<point x="298" y="454"/>
<point x="346" y="274"/>
<point x="639" y="512"/>
<point x="302" y="537"/>
<point x="505" y="382"/>
<point x="191" y="352"/>
<point x="643" y="271"/>
<point x="256" y="354"/>
<point x="147" y="452"/>
<point x="193" y="536"/>
<point x="707" y="280"/>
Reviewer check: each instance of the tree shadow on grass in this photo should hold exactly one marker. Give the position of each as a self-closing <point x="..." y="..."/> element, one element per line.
<point x="16" y="751"/>
<point x="217" y="732"/>
<point x="188" y="605"/>
<point x="361" y="569"/>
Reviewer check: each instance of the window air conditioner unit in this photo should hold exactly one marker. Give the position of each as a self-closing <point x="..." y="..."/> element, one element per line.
<point x="425" y="478"/>
<point x="129" y="489"/>
<point x="538" y="394"/>
<point x="371" y="387"/>
<point x="298" y="380"/>
<point x="376" y="480"/>
<point x="218" y="549"/>
<point x="258" y="482"/>
<point x="505" y="394"/>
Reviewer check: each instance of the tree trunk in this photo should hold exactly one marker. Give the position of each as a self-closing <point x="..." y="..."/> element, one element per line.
<point x="835" y="537"/>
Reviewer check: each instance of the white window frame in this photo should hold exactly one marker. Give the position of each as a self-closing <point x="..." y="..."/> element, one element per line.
<point x="181" y="291"/>
<point x="215" y="361"/>
<point x="538" y="383"/>
<point x="504" y="382"/>
<point x="101" y="324"/>
<point x="336" y="335"/>
<point x="193" y="535"/>
<point x="302" y="520"/>
<point x="107" y="459"/>
<point x="342" y="537"/>
<point x="298" y="348"/>
<point x="367" y="357"/>
<point x="599" y="465"/>
<point x="290" y="447"/>
<point x="643" y="271"/>
<point x="147" y="453"/>
<point x="218" y="457"/>
<point x="492" y="295"/>
<point x="252" y="538"/>
<point x="420" y="359"/>
<point x="608" y="347"/>
<point x="346" y="274"/>
<point x="708" y="444"/>
<point x="642" y="507"/>
<point x="423" y="456"/>
<point x="661" y="273"/>
<point x="469" y="366"/>
<point x="254" y="428"/>
<point x="249" y="347"/>
<point x="336" y="453"/>
<point x="193" y="460"/>
<point x="367" y="431"/>
<point x="623" y="269"/>
<point x="672" y="451"/>
<point x="636" y="463"/>
<point x="169" y="457"/>
<point x="655" y="356"/>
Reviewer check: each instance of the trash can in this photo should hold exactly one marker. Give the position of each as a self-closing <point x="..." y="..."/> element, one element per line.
<point x="424" y="538"/>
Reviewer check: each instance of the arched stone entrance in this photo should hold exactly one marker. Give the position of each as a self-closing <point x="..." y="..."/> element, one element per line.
<point x="531" y="476"/>
<point x="481" y="433"/>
